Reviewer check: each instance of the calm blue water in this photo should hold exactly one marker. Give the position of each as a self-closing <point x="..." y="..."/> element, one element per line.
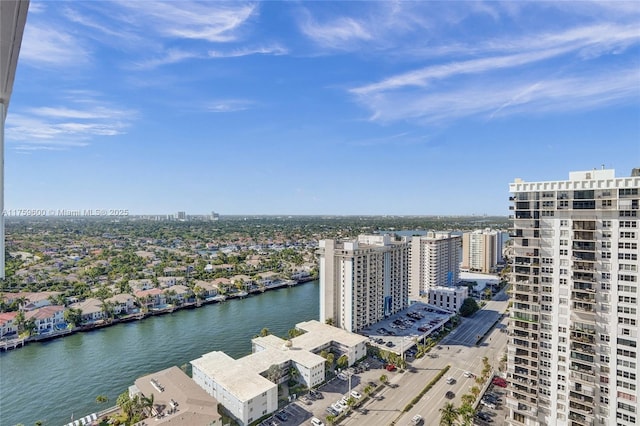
<point x="49" y="381"/>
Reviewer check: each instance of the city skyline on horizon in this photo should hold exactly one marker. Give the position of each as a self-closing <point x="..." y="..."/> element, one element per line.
<point x="317" y="109"/>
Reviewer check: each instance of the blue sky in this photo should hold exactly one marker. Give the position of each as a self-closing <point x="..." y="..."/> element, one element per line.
<point x="406" y="108"/>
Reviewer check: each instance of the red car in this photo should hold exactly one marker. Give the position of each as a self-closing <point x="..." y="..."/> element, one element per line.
<point x="499" y="381"/>
<point x="390" y="367"/>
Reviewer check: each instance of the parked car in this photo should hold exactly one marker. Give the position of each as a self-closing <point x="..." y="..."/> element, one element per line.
<point x="316" y="394"/>
<point x="316" y="422"/>
<point x="499" y="381"/>
<point x="282" y="416"/>
<point x="468" y="374"/>
<point x="356" y="394"/>
<point x="391" y="367"/>
<point x="450" y="380"/>
<point x="332" y="411"/>
<point x="488" y="404"/>
<point x="484" y="416"/>
<point x="450" y="395"/>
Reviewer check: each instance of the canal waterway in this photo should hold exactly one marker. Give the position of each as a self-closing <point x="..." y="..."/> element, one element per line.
<point x="52" y="380"/>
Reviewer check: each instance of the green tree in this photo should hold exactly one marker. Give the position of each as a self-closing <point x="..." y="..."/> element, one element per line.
<point x="343" y="362"/>
<point x="101" y="399"/>
<point x="469" y="307"/>
<point x="329" y="321"/>
<point x="448" y="415"/>
<point x="73" y="316"/>
<point x="264" y="332"/>
<point x="384" y="379"/>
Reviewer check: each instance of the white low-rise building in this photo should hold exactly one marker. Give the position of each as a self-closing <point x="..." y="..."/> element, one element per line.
<point x="245" y="394"/>
<point x="248" y="387"/>
<point x="450" y="298"/>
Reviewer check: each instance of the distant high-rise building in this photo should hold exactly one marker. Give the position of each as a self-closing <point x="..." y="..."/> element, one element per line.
<point x="573" y="330"/>
<point x="215" y="216"/>
<point x="482" y="250"/>
<point x="13" y="17"/>
<point x="435" y="262"/>
<point x="181" y="216"/>
<point x="362" y="281"/>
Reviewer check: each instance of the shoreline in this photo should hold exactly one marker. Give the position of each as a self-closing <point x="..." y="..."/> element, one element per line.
<point x="16" y="343"/>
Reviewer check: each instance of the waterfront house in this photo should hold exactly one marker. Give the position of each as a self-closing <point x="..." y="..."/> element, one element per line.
<point x="46" y="318"/>
<point x="178" y="294"/>
<point x="223" y="284"/>
<point x="153" y="298"/>
<point x="91" y="308"/>
<point x="8" y="327"/>
<point x="267" y="278"/>
<point x="123" y="303"/>
<point x="209" y="289"/>
<point x="177" y="400"/>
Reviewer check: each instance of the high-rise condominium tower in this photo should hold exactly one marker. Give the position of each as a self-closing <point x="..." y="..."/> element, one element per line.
<point x="435" y="262"/>
<point x="13" y="17"/>
<point x="481" y="250"/>
<point x="362" y="281"/>
<point x="573" y="331"/>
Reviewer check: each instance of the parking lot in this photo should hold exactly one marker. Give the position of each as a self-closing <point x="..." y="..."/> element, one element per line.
<point x="308" y="406"/>
<point x="491" y="408"/>
<point x="397" y="333"/>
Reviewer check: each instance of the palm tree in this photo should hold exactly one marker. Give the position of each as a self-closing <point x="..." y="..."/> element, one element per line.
<point x="475" y="391"/>
<point x="467" y="399"/>
<point x="448" y="415"/>
<point x="264" y="332"/>
<point x="384" y="378"/>
<point x="466" y="412"/>
<point x="147" y="403"/>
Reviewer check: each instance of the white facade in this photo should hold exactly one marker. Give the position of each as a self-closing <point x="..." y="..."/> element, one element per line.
<point x="362" y="281"/>
<point x="450" y="298"/>
<point x="246" y="395"/>
<point x="481" y="250"/>
<point x="435" y="262"/>
<point x="241" y="385"/>
<point x="573" y="331"/>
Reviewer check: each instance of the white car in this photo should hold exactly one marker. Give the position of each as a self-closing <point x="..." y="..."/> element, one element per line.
<point x="341" y="376"/>
<point x="450" y="380"/>
<point x="416" y="420"/>
<point x="337" y="407"/>
<point x="356" y="394"/>
<point x="316" y="422"/>
<point x="468" y="374"/>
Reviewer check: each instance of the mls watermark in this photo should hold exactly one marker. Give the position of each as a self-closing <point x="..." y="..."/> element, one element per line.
<point x="65" y="212"/>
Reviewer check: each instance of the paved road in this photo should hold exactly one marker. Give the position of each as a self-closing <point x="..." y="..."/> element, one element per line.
<point x="458" y="350"/>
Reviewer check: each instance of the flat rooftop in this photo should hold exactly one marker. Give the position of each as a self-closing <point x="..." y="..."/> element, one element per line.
<point x="172" y="388"/>
<point x="319" y="334"/>
<point x="244" y="383"/>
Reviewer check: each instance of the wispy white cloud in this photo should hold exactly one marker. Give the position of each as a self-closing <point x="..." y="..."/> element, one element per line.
<point x="340" y="33"/>
<point x="228" y="105"/>
<point x="505" y="97"/>
<point x="171" y="56"/>
<point x="48" y="46"/>
<point x="275" y="50"/>
<point x="54" y="128"/>
<point x="210" y="21"/>
<point x="512" y="75"/>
